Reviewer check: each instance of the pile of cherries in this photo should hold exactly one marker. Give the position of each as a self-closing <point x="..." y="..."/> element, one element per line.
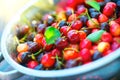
<point x="78" y="23"/>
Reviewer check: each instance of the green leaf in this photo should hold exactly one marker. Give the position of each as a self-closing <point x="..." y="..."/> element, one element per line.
<point x="93" y="4"/>
<point x="51" y="34"/>
<point x="94" y="37"/>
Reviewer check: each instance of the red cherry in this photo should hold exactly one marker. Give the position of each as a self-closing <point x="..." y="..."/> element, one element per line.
<point x="47" y="60"/>
<point x="70" y="53"/>
<point x="109" y="9"/>
<point x="77" y="25"/>
<point x="114" y="28"/>
<point x="112" y="4"/>
<point x="61" y="43"/>
<point x="85" y="44"/>
<point x="71" y="3"/>
<point x="74" y="46"/>
<point x="32" y="64"/>
<point x="118" y="20"/>
<point x="64" y="30"/>
<point x="115" y="46"/>
<point x="102" y="18"/>
<point x="106" y="53"/>
<point x="72" y="17"/>
<point x="85" y="55"/>
<point x="92" y="23"/>
<point x="73" y="36"/>
<point x="56" y="52"/>
<point x="106" y="37"/>
<point x="38" y="38"/>
<point x="82" y="35"/>
<point x="81" y="10"/>
<point x="116" y="39"/>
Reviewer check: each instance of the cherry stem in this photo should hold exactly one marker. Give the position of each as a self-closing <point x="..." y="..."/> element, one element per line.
<point x="16" y="39"/>
<point x="25" y="36"/>
<point x="38" y="52"/>
<point x="59" y="62"/>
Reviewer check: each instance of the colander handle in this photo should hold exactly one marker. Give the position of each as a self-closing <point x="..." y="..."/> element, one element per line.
<point x="7" y="75"/>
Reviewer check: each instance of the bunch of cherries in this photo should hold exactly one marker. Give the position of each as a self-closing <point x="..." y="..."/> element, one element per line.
<point x="86" y="35"/>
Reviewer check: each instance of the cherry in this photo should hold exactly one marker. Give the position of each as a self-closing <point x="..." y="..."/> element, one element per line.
<point x="92" y="10"/>
<point x="64" y="30"/>
<point x="39" y="67"/>
<point x="62" y="23"/>
<point x="61" y="43"/>
<point x="23" y="47"/>
<point x="41" y="28"/>
<point x="23" y="57"/>
<point x="74" y="46"/>
<point x="96" y="55"/>
<point x="33" y="47"/>
<point x="73" y="36"/>
<point x="92" y="23"/>
<point x="103" y="46"/>
<point x="77" y="25"/>
<point x="105" y="26"/>
<point x="84" y="19"/>
<point x="70" y="53"/>
<point x="72" y="17"/>
<point x="69" y="12"/>
<point x="47" y="60"/>
<point x="21" y="31"/>
<point x="85" y="43"/>
<point x="109" y="9"/>
<point x="116" y="39"/>
<point x="82" y="35"/>
<point x="32" y="64"/>
<point x="106" y="53"/>
<point x="102" y="18"/>
<point x="31" y="36"/>
<point x="114" y="28"/>
<point x="56" y="52"/>
<point x="95" y="14"/>
<point x="106" y="37"/>
<point x="85" y="55"/>
<point x="38" y="38"/>
<point x="87" y="31"/>
<point x="71" y="63"/>
<point x="115" y="46"/>
<point x="81" y="9"/>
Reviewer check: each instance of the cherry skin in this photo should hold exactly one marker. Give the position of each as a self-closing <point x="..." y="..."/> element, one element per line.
<point x="64" y="30"/>
<point x="82" y="35"/>
<point x="103" y="46"/>
<point x="77" y="25"/>
<point x="47" y="60"/>
<point x="85" y="43"/>
<point x="23" y="47"/>
<point x="92" y="23"/>
<point x="70" y="53"/>
<point x="56" y="52"/>
<point x="85" y="55"/>
<point x="102" y="18"/>
<point x="73" y="36"/>
<point x="32" y="64"/>
<point x="61" y="43"/>
<point x="106" y="37"/>
<point x="114" y="28"/>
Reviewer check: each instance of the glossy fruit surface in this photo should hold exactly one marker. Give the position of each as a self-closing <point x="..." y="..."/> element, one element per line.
<point x="47" y="60"/>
